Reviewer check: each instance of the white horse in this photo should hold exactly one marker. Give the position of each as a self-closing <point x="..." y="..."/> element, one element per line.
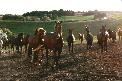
<point x="3" y="36"/>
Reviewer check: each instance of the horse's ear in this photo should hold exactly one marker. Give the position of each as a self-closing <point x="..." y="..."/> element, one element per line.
<point x="61" y="21"/>
<point x="55" y="21"/>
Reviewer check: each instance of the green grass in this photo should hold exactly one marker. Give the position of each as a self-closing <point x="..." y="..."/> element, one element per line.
<point x="76" y="18"/>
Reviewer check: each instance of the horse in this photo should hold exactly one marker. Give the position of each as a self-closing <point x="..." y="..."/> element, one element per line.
<point x="119" y="32"/>
<point x="102" y="38"/>
<point x="12" y="42"/>
<point x="89" y="38"/>
<point x="18" y="42"/>
<point x="25" y="42"/>
<point x="54" y="41"/>
<point x="112" y="35"/>
<point x="35" y="43"/>
<point x="70" y="40"/>
<point x="5" y="41"/>
<point x="3" y="36"/>
<point x="80" y="37"/>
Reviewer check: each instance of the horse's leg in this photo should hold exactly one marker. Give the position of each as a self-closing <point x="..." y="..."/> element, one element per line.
<point x="81" y="40"/>
<point x="55" y="57"/>
<point x="87" y="45"/>
<point x="25" y="48"/>
<point x="91" y="44"/>
<point x="101" y="46"/>
<point x="4" y="46"/>
<point x="69" y="46"/>
<point x="113" y="40"/>
<point x="0" y="51"/>
<point x="21" y="48"/>
<point x="17" y="48"/>
<point x="29" y="52"/>
<point x="47" y="57"/>
<point x="12" y="47"/>
<point x="106" y="46"/>
<point x="72" y="47"/>
<point x="35" y="56"/>
<point x="58" y="57"/>
<point x="120" y="38"/>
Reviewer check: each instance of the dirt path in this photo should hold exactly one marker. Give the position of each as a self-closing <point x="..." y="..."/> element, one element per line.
<point x="83" y="65"/>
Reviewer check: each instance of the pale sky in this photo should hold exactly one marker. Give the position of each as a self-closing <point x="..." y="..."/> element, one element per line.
<point x="23" y="6"/>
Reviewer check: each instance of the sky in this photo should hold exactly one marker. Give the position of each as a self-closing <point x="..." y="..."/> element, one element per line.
<point x="22" y="6"/>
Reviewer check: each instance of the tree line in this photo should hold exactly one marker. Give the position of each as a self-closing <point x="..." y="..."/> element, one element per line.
<point x="48" y="15"/>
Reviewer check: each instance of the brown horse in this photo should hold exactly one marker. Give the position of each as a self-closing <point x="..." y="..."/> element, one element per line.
<point x="35" y="42"/>
<point x="89" y="38"/>
<point x="70" y="40"/>
<point x="112" y="35"/>
<point x="18" y="42"/>
<point x="12" y="42"/>
<point x="102" y="38"/>
<point x="119" y="33"/>
<point x="25" y="42"/>
<point x="53" y="41"/>
<point x="80" y="37"/>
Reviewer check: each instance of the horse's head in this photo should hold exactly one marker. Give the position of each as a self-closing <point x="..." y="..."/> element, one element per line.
<point x="119" y="29"/>
<point x="106" y="34"/>
<point x="58" y="27"/>
<point x="87" y="29"/>
<point x="41" y="32"/>
<point x="20" y="35"/>
<point x="80" y="36"/>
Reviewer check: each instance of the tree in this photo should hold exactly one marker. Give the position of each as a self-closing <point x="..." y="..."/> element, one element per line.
<point x="12" y="17"/>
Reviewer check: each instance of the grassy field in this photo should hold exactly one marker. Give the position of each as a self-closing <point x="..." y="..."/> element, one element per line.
<point x="76" y="18"/>
<point x="77" y="25"/>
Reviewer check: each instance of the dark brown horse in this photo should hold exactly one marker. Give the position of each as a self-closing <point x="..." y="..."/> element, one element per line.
<point x="80" y="37"/>
<point x="35" y="42"/>
<point x="53" y="41"/>
<point x="70" y="40"/>
<point x="12" y="42"/>
<point x="25" y="42"/>
<point x="112" y="35"/>
<point x="119" y="32"/>
<point x="102" y="38"/>
<point x="18" y="42"/>
<point x="89" y="38"/>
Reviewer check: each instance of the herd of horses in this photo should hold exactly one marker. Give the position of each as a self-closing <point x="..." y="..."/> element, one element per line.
<point x="43" y="42"/>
